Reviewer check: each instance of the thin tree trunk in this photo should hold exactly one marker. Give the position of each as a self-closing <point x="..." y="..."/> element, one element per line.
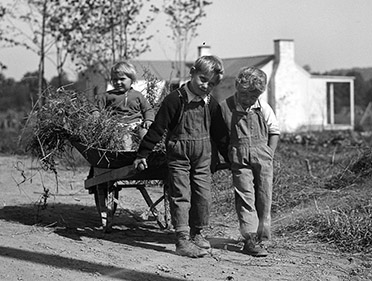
<point x="42" y="56"/>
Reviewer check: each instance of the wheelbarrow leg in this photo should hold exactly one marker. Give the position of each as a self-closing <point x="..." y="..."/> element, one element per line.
<point x="106" y="198"/>
<point x="151" y="204"/>
<point x="164" y="223"/>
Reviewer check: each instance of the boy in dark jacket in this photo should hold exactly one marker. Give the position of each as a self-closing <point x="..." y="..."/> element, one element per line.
<point x="192" y="118"/>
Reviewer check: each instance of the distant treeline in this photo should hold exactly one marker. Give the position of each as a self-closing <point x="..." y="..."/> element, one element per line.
<point x="18" y="97"/>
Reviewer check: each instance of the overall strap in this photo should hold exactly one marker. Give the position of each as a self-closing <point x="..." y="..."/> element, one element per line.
<point x="183" y="97"/>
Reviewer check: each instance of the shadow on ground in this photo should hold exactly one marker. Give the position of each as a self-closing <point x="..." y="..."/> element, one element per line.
<point x="80" y="265"/>
<point x="76" y="221"/>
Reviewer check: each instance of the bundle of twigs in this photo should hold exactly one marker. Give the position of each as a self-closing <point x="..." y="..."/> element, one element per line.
<point x="66" y="115"/>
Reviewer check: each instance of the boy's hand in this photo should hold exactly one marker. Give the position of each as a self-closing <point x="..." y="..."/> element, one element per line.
<point x="146" y="124"/>
<point x="140" y="164"/>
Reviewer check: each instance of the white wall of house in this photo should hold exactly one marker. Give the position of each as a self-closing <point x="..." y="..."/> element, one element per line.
<point x="300" y="99"/>
<point x="317" y="104"/>
<point x="290" y="88"/>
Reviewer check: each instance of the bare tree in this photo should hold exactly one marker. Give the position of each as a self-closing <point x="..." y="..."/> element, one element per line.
<point x="94" y="33"/>
<point x="184" y="17"/>
<point x="42" y="54"/>
<point x="98" y="33"/>
<point x="24" y="23"/>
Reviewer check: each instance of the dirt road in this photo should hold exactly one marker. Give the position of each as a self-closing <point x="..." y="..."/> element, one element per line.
<point x="62" y="242"/>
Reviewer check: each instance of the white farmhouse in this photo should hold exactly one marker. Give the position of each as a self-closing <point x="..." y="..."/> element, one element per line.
<point x="301" y="101"/>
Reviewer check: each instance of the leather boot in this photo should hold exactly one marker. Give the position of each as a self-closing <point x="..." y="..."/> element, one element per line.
<point x="254" y="248"/>
<point x="185" y="247"/>
<point x="198" y="239"/>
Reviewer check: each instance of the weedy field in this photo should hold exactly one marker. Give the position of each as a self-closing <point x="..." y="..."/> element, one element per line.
<point x="322" y="189"/>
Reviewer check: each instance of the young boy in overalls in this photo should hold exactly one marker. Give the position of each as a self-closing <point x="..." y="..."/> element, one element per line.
<point x="192" y="117"/>
<point x="254" y="134"/>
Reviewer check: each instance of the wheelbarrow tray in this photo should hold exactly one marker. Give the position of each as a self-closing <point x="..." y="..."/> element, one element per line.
<point x="119" y="164"/>
<point x="103" y="158"/>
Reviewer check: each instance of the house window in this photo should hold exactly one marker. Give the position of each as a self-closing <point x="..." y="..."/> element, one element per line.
<point x="338" y="103"/>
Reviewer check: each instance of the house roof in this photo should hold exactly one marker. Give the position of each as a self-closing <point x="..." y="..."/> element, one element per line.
<point x="163" y="70"/>
<point x="233" y="65"/>
<point x="166" y="70"/>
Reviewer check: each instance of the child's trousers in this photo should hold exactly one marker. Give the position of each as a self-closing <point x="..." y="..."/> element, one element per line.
<point x="190" y="182"/>
<point x="189" y="159"/>
<point x="252" y="169"/>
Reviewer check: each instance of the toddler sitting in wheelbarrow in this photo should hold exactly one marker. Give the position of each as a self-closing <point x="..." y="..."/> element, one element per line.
<point x="136" y="115"/>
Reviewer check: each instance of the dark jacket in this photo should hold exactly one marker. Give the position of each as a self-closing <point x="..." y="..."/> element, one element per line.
<point x="168" y="117"/>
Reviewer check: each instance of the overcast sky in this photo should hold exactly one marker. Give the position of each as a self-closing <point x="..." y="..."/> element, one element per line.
<point x="328" y="34"/>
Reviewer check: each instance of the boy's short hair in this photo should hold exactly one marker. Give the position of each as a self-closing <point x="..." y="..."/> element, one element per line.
<point x="126" y="68"/>
<point x="252" y="79"/>
<point x="209" y="64"/>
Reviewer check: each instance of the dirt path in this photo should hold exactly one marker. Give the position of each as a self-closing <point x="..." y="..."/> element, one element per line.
<point x="62" y="242"/>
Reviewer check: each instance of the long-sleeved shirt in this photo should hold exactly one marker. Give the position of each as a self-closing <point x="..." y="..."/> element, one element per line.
<point x="131" y="105"/>
<point x="168" y="117"/>
<point x="268" y="114"/>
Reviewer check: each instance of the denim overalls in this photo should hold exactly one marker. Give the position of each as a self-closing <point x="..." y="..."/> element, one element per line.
<point x="252" y="168"/>
<point x="188" y="156"/>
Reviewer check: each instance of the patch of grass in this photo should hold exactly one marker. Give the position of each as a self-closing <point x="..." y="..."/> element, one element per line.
<point x="331" y="202"/>
<point x="303" y="171"/>
<point x="348" y="226"/>
<point x="222" y="192"/>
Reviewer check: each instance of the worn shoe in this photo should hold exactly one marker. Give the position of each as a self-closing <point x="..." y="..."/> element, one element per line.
<point x="255" y="250"/>
<point x="200" y="241"/>
<point x="185" y="247"/>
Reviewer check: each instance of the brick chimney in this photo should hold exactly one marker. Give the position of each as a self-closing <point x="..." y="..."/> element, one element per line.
<point x="284" y="50"/>
<point x="204" y="50"/>
<point x="282" y="67"/>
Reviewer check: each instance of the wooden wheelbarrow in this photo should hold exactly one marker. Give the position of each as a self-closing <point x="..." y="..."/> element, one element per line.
<point x="112" y="171"/>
